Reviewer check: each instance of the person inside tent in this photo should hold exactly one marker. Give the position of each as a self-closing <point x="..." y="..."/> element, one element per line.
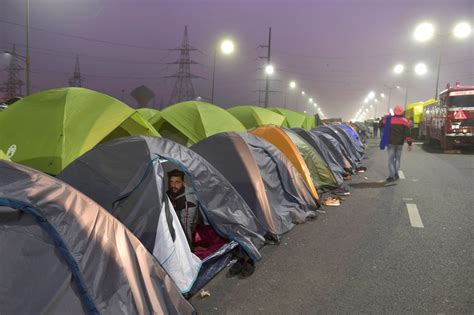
<point x="184" y="203"/>
<point x="202" y="238"/>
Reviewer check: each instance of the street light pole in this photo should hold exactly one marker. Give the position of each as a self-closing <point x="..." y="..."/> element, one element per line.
<point x="27" y="47"/>
<point x="213" y="76"/>
<point x="437" y="76"/>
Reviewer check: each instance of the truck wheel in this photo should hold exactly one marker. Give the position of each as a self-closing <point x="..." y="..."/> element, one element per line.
<point x="446" y="144"/>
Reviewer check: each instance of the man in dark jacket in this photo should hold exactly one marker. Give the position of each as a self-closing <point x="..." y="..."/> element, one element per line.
<point x="396" y="133"/>
<point x="184" y="202"/>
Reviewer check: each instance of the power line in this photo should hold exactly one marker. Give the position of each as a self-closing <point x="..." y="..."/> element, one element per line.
<point x="106" y="42"/>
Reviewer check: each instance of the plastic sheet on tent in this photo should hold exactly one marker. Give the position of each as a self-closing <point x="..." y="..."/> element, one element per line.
<point x="64" y="254"/>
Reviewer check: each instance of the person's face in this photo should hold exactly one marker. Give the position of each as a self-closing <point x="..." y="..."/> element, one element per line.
<point x="175" y="183"/>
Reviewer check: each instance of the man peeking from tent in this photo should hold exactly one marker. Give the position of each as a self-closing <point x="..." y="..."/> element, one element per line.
<point x="202" y="238"/>
<point x="395" y="133"/>
<point x="184" y="203"/>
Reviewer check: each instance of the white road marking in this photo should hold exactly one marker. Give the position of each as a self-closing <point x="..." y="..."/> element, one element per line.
<point x="407" y="199"/>
<point x="401" y="175"/>
<point x="414" y="215"/>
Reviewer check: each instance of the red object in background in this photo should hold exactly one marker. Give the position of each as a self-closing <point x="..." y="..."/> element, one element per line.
<point x="460" y="115"/>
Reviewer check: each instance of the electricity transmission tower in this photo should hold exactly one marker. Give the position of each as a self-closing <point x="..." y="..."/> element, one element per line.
<point x="183" y="89"/>
<point x="12" y="86"/>
<point x="76" y="79"/>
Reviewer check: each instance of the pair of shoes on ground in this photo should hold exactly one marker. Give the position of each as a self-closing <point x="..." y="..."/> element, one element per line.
<point x="244" y="267"/>
<point x="332" y="201"/>
<point x="341" y="191"/>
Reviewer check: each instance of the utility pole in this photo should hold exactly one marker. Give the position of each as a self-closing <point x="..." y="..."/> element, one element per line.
<point x="76" y="79"/>
<point x="267" y="58"/>
<point x="183" y="89"/>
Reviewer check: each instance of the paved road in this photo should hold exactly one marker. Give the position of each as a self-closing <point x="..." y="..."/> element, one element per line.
<point x="365" y="256"/>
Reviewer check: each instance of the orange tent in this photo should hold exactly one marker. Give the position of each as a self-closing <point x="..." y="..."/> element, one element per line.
<point x="280" y="139"/>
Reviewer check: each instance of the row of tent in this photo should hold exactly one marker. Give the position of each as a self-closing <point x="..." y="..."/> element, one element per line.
<point x="72" y="123"/>
<point x="122" y="249"/>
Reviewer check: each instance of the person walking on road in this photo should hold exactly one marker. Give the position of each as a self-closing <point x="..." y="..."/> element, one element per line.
<point x="375" y="126"/>
<point x="395" y="133"/>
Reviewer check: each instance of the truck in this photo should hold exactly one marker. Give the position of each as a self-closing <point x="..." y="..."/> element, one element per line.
<point x="450" y="120"/>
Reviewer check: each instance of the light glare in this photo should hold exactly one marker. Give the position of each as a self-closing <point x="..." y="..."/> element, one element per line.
<point x="424" y="32"/>
<point x="269" y="69"/>
<point x="227" y="47"/>
<point x="399" y="68"/>
<point x="421" y="68"/>
<point x="462" y="30"/>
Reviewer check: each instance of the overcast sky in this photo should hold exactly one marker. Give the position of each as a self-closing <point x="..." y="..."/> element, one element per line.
<point x="337" y="51"/>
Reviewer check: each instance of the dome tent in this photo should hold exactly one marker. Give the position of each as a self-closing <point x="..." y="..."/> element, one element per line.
<point x="50" y="129"/>
<point x="189" y="122"/>
<point x="127" y="177"/>
<point x="64" y="254"/>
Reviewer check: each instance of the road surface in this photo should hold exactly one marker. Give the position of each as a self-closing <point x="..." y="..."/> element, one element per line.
<point x="401" y="248"/>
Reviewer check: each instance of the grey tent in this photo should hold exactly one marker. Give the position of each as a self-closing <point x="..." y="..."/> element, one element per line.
<point x="323" y="151"/>
<point x="321" y="173"/>
<point x="340" y="137"/>
<point x="61" y="253"/>
<point x="258" y="179"/>
<point x="352" y="137"/>
<point x="279" y="165"/>
<point x="340" y="153"/>
<point x="126" y="176"/>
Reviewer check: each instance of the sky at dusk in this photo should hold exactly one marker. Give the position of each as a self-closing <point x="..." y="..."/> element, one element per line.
<point x="337" y="51"/>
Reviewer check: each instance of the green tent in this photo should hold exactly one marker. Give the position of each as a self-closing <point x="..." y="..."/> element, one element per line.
<point x="150" y="114"/>
<point x="253" y="116"/>
<point x="321" y="173"/>
<point x="3" y="156"/>
<point x="309" y="122"/>
<point x="190" y="122"/>
<point x="293" y="119"/>
<point x="50" y="129"/>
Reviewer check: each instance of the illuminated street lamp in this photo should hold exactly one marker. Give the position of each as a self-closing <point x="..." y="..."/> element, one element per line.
<point x="371" y="95"/>
<point x="421" y="68"/>
<point x="292" y="86"/>
<point x="424" y="32"/>
<point x="462" y="30"/>
<point x="269" y="69"/>
<point x="227" y="47"/>
<point x="399" y="68"/>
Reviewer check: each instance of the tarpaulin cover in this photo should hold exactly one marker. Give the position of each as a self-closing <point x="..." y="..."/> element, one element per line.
<point x="293" y="119"/>
<point x="320" y="172"/>
<point x="189" y="122"/>
<point x="117" y="175"/>
<point x="61" y="253"/>
<point x="257" y="182"/>
<point x="50" y="129"/>
<point x="253" y="116"/>
<point x="324" y="152"/>
<point x="280" y="139"/>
